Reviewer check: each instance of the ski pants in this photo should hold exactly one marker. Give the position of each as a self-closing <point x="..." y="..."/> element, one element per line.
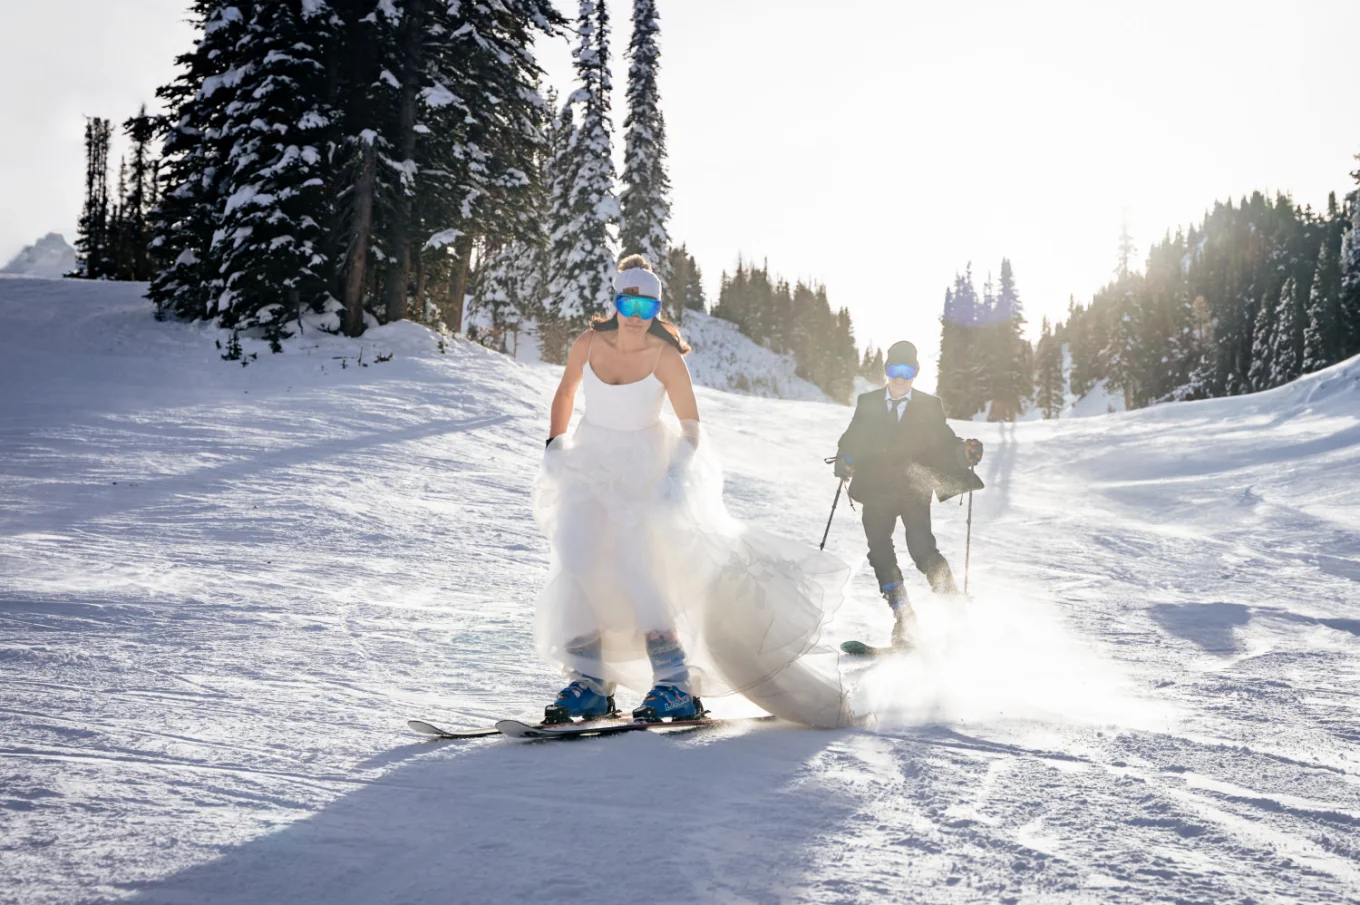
<point x="880" y="521"/>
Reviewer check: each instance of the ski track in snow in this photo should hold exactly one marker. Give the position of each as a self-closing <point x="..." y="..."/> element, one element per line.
<point x="224" y="589"/>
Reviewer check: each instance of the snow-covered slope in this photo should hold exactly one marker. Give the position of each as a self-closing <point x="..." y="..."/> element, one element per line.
<point x="223" y="589"/>
<point x="50" y="257"/>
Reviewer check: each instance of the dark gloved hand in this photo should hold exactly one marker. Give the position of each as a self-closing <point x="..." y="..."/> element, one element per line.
<point x="972" y="451"/>
<point x="845" y="466"/>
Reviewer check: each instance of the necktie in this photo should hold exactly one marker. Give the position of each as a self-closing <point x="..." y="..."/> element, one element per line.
<point x="896" y="407"/>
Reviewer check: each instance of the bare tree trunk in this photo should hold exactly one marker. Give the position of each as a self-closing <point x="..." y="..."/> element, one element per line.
<point x="361" y="232"/>
<point x="413" y="22"/>
<point x="463" y="251"/>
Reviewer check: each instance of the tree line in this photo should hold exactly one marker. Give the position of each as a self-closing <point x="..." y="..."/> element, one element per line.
<point x="113" y="230"/>
<point x="1260" y="292"/>
<point x="986" y="364"/>
<point x="794" y="319"/>
<point x="1257" y="294"/>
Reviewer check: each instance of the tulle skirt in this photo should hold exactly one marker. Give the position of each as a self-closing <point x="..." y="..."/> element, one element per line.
<point x="639" y="546"/>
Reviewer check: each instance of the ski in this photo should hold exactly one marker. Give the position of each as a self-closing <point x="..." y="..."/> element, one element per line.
<point x="516" y="729"/>
<point x="432" y="731"/>
<point x="860" y="649"/>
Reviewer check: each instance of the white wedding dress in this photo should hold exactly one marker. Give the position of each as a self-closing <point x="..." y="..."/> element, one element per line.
<point x="639" y="546"/>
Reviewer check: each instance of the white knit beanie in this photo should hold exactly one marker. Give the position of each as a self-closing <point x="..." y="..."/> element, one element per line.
<point x="646" y="282"/>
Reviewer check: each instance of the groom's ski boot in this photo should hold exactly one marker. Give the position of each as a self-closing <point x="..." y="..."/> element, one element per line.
<point x="668" y="702"/>
<point x="904" y="620"/>
<point x="578" y="700"/>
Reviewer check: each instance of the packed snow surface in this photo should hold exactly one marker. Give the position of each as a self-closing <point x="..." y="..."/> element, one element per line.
<point x="224" y="589"/>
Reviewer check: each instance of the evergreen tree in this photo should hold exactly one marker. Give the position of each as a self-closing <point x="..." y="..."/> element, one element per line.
<point x="93" y="241"/>
<point x="963" y="366"/>
<point x="583" y="256"/>
<point x="1263" y="344"/>
<point x="410" y="127"/>
<point x="1049" y="382"/>
<point x="195" y="151"/>
<point x="1349" y="306"/>
<point x="270" y="240"/>
<point x="1009" y="358"/>
<point x="140" y="198"/>
<point x="1288" y="339"/>
<point x="685" y="289"/>
<point x="1322" y="338"/>
<point x="645" y="206"/>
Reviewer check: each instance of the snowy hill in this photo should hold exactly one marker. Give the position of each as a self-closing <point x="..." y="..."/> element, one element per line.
<point x="223" y="590"/>
<point x="722" y="359"/>
<point x="50" y="257"/>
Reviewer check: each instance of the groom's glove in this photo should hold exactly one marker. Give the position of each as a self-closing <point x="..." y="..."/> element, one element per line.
<point x="845" y="466"/>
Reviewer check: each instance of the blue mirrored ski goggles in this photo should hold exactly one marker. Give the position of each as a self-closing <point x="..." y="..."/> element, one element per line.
<point x="637" y="306"/>
<point x="901" y="372"/>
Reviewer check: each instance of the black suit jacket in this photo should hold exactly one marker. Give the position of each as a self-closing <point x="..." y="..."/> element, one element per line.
<point x="915" y="456"/>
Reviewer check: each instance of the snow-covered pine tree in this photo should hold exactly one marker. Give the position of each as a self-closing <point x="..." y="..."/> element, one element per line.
<point x="1322" y="336"/>
<point x="554" y="331"/>
<point x="93" y="251"/>
<point x="1263" y="333"/>
<point x="1049" y="382"/>
<point x="490" y="123"/>
<point x="582" y="244"/>
<point x="194" y="156"/>
<point x="1120" y="358"/>
<point x="1288" y="340"/>
<point x="645" y="207"/>
<point x="500" y="294"/>
<point x="1350" y="278"/>
<point x="270" y="239"/>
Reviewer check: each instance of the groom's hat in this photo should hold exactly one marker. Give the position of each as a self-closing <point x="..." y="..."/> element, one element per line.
<point x="903" y="353"/>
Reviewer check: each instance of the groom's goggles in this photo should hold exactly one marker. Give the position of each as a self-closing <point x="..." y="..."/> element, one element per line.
<point x="637" y="306"/>
<point x="900" y="372"/>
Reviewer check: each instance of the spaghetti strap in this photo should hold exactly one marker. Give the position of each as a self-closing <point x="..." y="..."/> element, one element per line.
<point x="660" y="352"/>
<point x="590" y="344"/>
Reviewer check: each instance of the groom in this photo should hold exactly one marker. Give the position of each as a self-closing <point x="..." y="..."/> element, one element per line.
<point x="898" y="451"/>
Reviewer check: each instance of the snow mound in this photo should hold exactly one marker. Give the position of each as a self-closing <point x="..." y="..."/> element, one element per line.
<point x="49" y="258"/>
<point x="724" y="359"/>
<point x="721" y="359"/>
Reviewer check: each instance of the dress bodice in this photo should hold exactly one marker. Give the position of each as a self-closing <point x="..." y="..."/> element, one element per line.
<point x="625" y="407"/>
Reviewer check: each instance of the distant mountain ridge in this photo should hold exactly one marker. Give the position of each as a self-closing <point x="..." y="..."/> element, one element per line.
<point x="51" y="257"/>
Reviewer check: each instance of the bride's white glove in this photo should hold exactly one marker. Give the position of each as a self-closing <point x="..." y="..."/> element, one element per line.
<point x="672" y="489"/>
<point x="552" y="455"/>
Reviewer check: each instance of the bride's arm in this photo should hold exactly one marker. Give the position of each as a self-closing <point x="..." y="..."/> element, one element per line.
<point x="674" y="376"/>
<point x="564" y="400"/>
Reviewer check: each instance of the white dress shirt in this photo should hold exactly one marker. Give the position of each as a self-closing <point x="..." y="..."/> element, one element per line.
<point x="887" y="394"/>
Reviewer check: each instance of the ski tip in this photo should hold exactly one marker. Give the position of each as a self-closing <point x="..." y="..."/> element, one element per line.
<point x="424" y="728"/>
<point x="855" y="648"/>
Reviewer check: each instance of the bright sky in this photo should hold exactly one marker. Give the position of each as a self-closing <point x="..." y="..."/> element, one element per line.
<point x="875" y="146"/>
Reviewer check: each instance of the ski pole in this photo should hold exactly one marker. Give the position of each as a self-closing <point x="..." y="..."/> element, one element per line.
<point x="968" y="544"/>
<point x="827" y="532"/>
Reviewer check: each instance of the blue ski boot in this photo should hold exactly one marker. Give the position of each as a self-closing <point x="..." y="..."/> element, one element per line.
<point x="578" y="700"/>
<point x="669" y="702"/>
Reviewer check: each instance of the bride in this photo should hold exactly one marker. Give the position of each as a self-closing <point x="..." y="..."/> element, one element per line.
<point x="653" y="584"/>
